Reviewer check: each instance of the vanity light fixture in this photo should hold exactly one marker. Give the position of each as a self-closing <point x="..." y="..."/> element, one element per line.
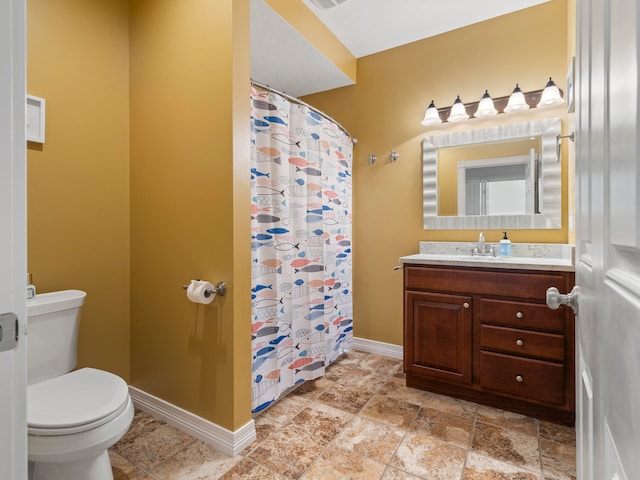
<point x="485" y="107"/>
<point x="458" y="111"/>
<point x="518" y="101"/>
<point x="431" y="117"/>
<point x="550" y="95"/>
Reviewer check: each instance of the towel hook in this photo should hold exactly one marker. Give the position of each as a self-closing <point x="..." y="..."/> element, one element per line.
<point x="571" y="136"/>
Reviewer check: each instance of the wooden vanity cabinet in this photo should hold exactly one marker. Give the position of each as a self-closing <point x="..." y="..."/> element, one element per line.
<point x="487" y="335"/>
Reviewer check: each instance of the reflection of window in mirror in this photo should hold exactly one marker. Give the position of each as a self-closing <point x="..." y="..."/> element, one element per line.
<point x="490" y="179"/>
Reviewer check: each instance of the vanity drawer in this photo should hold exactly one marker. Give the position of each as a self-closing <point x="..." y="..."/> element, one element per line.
<point x="529" y="379"/>
<point x="522" y="315"/>
<point x="482" y="282"/>
<point x="522" y="342"/>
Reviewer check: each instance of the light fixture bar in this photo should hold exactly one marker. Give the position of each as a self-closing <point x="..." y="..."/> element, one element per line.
<point x="532" y="98"/>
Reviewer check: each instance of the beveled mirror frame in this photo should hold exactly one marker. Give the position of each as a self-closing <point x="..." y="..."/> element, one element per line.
<point x="551" y="182"/>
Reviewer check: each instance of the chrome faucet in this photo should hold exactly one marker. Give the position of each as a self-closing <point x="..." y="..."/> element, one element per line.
<point x="482" y="248"/>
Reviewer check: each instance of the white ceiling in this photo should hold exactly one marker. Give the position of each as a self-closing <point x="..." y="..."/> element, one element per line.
<point x="282" y="58"/>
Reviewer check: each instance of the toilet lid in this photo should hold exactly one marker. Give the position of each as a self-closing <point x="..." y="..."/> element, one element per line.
<point x="82" y="397"/>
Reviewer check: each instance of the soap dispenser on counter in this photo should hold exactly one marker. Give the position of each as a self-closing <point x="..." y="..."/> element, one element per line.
<point x="505" y="246"/>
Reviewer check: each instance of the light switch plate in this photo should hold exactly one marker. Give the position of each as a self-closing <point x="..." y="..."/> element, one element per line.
<point x="35" y="118"/>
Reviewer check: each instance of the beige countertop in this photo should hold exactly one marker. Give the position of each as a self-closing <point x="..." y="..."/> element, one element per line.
<point x="549" y="257"/>
<point x="513" y="263"/>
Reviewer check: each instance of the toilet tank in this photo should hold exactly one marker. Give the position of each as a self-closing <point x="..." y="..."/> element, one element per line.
<point x="52" y="334"/>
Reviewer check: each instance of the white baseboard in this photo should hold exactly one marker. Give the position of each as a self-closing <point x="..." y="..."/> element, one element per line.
<point x="231" y="443"/>
<point x="381" y="348"/>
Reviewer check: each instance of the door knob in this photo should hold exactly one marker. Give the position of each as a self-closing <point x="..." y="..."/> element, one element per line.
<point x="555" y="299"/>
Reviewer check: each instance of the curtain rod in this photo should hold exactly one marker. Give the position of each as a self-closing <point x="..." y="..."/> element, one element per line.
<point x="305" y="104"/>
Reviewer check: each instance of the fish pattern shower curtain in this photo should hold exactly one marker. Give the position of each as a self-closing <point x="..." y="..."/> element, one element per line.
<point x="301" y="244"/>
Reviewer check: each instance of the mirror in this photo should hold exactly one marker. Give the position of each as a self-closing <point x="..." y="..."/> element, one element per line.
<point x="505" y="176"/>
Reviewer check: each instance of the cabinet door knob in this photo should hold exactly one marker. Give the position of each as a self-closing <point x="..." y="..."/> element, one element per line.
<point x="519" y="378"/>
<point x="465" y="305"/>
<point x="519" y="342"/>
<point x="520" y="315"/>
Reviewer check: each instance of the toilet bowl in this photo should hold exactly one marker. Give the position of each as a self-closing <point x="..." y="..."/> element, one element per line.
<point x="73" y="416"/>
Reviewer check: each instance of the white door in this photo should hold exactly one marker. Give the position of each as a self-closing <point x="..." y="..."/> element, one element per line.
<point x="13" y="429"/>
<point x="608" y="240"/>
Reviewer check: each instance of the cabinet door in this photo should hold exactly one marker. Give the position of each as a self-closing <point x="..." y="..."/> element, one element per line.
<point x="437" y="336"/>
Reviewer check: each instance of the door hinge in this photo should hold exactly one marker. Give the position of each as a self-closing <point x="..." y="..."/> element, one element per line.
<point x="9" y="331"/>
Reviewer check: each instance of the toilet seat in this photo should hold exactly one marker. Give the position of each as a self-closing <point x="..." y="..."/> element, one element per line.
<point x="75" y="402"/>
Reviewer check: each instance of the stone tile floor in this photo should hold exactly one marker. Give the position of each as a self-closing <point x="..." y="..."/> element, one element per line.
<point x="359" y="421"/>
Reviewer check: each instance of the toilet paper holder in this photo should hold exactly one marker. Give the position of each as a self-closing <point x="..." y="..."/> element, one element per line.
<point x="219" y="288"/>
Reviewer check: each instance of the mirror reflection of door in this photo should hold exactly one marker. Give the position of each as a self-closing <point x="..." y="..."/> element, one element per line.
<point x="441" y="153"/>
<point x="489" y="179"/>
<point x="498" y="186"/>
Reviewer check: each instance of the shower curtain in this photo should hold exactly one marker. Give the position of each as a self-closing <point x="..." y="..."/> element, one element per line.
<point x="301" y="244"/>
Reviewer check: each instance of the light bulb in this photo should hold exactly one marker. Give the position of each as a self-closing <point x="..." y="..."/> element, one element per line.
<point x="431" y="117"/>
<point x="517" y="102"/>
<point x="458" y="111"/>
<point x="486" y="107"/>
<point x="550" y="95"/>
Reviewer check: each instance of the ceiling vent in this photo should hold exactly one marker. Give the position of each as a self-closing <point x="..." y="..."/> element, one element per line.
<point x="326" y="4"/>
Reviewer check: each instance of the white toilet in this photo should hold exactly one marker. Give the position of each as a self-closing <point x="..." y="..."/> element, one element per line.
<point x="73" y="416"/>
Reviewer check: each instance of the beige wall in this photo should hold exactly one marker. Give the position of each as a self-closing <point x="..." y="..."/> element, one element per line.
<point x="189" y="204"/>
<point x="384" y="110"/>
<point x="78" y="181"/>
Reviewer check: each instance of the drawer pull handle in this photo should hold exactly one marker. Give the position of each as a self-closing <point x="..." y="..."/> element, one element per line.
<point x="519" y="342"/>
<point x="519" y="378"/>
<point x="520" y="315"/>
<point x="465" y="305"/>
